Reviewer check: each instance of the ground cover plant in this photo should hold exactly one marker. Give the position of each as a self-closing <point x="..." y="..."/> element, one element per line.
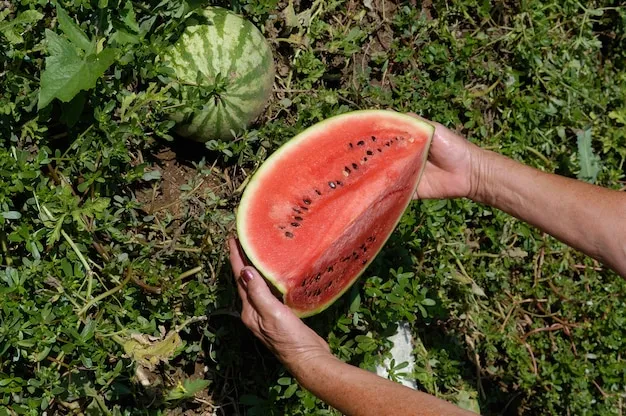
<point x="115" y="295"/>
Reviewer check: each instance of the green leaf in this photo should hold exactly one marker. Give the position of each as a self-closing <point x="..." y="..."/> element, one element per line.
<point x="428" y="302"/>
<point x="9" y="29"/>
<point x="284" y="381"/>
<point x="589" y="161"/>
<point x="290" y="391"/>
<point x="129" y="18"/>
<point x="11" y="215"/>
<point x="67" y="73"/>
<point x="187" y="389"/>
<point x="152" y="175"/>
<point x="73" y="31"/>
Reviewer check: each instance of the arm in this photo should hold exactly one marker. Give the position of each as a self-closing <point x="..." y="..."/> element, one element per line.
<point x="354" y="391"/>
<point x="587" y="217"/>
<point x="349" y="389"/>
<point x="584" y="216"/>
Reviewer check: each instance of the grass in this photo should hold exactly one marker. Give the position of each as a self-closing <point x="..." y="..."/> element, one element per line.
<point x="112" y="231"/>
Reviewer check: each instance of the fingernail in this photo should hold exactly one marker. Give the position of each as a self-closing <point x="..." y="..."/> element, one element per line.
<point x="246" y="275"/>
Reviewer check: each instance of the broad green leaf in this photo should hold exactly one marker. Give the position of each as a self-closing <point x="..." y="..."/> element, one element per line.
<point x="589" y="161"/>
<point x="9" y="29"/>
<point x="73" y="31"/>
<point x="67" y="73"/>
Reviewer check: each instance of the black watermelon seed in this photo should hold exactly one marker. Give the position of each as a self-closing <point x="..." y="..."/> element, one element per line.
<point x="361" y="143"/>
<point x="318" y="192"/>
<point x="307" y="201"/>
<point x="387" y="144"/>
<point x="379" y="150"/>
<point x="303" y="283"/>
<point x="351" y="146"/>
<point x="330" y="269"/>
<point x="297" y="210"/>
<point x="364" y="249"/>
<point x="364" y="159"/>
<point x="373" y="138"/>
<point x="346" y="169"/>
<point x="339" y="183"/>
<point x="318" y="291"/>
<point x="318" y="277"/>
<point x="369" y="153"/>
<point x="332" y="185"/>
<point x="295" y="224"/>
<point x="281" y="227"/>
<point x="304" y="208"/>
<point x="355" y="166"/>
<point x="298" y="218"/>
<point x="288" y="234"/>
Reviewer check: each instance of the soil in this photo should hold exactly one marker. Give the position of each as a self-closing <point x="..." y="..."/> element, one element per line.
<point x="167" y="196"/>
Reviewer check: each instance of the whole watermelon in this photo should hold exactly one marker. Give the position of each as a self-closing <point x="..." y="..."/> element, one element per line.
<point x="226" y="70"/>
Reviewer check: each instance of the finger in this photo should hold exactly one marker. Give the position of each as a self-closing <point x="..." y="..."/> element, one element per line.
<point x="259" y="294"/>
<point x="237" y="263"/>
<point x="236" y="256"/>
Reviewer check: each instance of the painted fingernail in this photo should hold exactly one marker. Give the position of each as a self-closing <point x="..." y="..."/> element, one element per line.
<point x="246" y="275"/>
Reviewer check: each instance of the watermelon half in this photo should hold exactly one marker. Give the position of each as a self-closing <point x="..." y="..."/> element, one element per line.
<point x="226" y="70"/>
<point x="317" y="212"/>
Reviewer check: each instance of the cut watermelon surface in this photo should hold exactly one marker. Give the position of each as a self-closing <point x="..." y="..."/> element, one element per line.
<point x="320" y="208"/>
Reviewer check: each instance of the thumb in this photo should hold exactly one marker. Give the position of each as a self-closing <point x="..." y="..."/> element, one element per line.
<point x="259" y="294"/>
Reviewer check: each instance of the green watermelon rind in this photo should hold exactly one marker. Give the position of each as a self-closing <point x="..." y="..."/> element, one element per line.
<point x="283" y="151"/>
<point x="249" y="66"/>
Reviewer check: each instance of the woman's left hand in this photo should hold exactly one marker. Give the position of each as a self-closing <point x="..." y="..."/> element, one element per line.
<point x="270" y="320"/>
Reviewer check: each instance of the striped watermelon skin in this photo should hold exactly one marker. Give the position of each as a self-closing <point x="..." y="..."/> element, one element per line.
<point x="228" y="51"/>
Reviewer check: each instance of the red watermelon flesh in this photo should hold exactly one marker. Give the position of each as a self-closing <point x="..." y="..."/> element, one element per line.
<point x="321" y="207"/>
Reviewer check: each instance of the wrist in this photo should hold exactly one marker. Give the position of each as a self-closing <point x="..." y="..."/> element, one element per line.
<point x="308" y="363"/>
<point x="480" y="174"/>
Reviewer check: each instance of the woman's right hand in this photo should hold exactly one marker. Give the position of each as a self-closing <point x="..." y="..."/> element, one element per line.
<point x="452" y="169"/>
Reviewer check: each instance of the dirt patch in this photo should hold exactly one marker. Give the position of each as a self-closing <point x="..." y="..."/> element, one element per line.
<point x="179" y="182"/>
<point x="378" y="18"/>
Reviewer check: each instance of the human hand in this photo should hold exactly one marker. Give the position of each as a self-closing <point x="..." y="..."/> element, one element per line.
<point x="270" y="320"/>
<point x="452" y="167"/>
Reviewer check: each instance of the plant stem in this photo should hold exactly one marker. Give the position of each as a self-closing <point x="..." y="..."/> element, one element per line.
<point x="117" y="288"/>
<point x="189" y="272"/>
<point x="83" y="261"/>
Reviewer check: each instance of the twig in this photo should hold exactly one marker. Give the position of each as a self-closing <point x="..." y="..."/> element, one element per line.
<point x="553" y="327"/>
<point x="602" y="392"/>
<point x="151" y="289"/>
<point x="585" y="267"/>
<point x="532" y="357"/>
